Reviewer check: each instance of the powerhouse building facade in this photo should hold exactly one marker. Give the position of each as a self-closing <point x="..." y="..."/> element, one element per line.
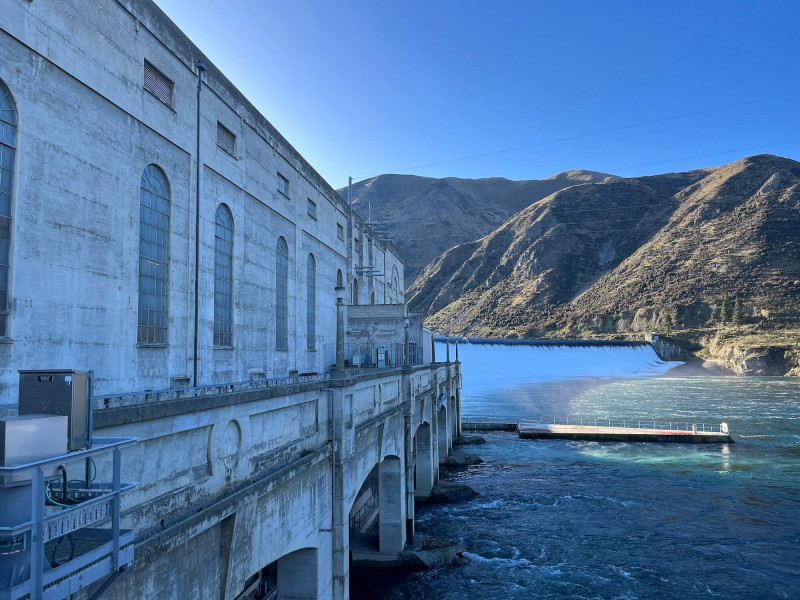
<point x="104" y="221"/>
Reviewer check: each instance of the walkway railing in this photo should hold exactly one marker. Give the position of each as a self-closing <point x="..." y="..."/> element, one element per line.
<point x="33" y="550"/>
<point x="599" y="422"/>
<point x="128" y="398"/>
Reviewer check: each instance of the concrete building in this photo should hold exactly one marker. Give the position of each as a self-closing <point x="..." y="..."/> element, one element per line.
<point x="100" y="206"/>
<point x="158" y="231"/>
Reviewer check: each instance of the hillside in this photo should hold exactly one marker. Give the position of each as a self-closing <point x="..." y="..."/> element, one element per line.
<point x="654" y="253"/>
<point x="426" y="216"/>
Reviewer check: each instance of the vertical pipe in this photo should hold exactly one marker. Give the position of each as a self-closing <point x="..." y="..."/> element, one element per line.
<point x="115" y="508"/>
<point x="37" y="532"/>
<point x="349" y="283"/>
<point x="201" y="68"/>
<point x="89" y="425"/>
<point x="339" y="331"/>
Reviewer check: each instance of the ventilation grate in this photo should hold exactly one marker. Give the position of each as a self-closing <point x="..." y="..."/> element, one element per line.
<point x="157" y="84"/>
<point x="225" y="138"/>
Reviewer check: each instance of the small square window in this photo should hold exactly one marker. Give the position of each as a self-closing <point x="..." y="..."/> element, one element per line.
<point x="312" y="209"/>
<point x="283" y="185"/>
<point x="158" y="84"/>
<point x="340" y="231"/>
<point x="225" y="139"/>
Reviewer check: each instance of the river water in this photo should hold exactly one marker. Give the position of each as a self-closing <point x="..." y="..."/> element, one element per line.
<point x="571" y="519"/>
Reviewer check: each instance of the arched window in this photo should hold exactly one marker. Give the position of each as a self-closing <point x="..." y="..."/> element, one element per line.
<point x="372" y="297"/>
<point x="355" y="291"/>
<point x="282" y="295"/>
<point x="339" y="278"/>
<point x="311" y="303"/>
<point x="153" y="257"/>
<point x="223" y="277"/>
<point x="8" y="137"/>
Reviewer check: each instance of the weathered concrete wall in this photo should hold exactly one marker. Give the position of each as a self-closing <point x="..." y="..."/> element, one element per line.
<point x="236" y="480"/>
<point x="87" y="130"/>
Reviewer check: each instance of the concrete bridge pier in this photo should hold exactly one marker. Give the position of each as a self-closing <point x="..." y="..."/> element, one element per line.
<point x="425" y="467"/>
<point x="298" y="577"/>
<point x="391" y="506"/>
<point x="442" y="434"/>
<point x="410" y="484"/>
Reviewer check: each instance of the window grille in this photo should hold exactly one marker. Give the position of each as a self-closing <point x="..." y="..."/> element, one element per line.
<point x="225" y="139"/>
<point x="158" y="84"/>
<point x="153" y="257"/>
<point x="312" y="209"/>
<point x="8" y="135"/>
<point x="311" y="303"/>
<point x="282" y="295"/>
<point x="223" y="277"/>
<point x="340" y="231"/>
<point x="283" y="185"/>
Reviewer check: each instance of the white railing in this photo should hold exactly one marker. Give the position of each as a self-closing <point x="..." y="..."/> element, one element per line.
<point x="601" y="422"/>
<point x="99" y="503"/>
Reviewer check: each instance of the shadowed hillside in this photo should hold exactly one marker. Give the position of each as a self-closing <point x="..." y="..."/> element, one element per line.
<point x="625" y="255"/>
<point x="426" y="216"/>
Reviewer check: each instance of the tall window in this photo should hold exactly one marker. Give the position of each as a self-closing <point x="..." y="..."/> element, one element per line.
<point x="8" y="136"/>
<point x="355" y="291"/>
<point x="153" y="257"/>
<point x="339" y="278"/>
<point x="282" y="295"/>
<point x="223" y="277"/>
<point x="396" y="284"/>
<point x="311" y="303"/>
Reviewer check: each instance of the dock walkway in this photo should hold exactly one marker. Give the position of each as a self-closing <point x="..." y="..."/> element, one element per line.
<point x="606" y="430"/>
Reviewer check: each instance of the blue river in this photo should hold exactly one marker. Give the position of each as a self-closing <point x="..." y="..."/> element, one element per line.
<point x="571" y="519"/>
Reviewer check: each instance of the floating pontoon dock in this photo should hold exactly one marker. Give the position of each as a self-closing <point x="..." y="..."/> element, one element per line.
<point x="605" y="430"/>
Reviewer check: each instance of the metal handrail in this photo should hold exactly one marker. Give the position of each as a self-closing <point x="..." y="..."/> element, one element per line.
<point x="41" y="528"/>
<point x="104" y="400"/>
<point x="602" y="422"/>
<point x="629" y="424"/>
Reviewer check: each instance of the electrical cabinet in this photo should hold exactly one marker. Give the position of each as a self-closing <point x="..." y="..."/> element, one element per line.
<point x="58" y="392"/>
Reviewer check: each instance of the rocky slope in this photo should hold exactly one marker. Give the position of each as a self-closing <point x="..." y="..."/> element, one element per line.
<point x="622" y="256"/>
<point x="426" y="216"/>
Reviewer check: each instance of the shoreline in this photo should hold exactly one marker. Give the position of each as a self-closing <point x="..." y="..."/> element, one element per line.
<point x="698" y="366"/>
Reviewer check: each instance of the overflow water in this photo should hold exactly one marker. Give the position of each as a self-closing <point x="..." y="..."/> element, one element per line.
<point x="571" y="519"/>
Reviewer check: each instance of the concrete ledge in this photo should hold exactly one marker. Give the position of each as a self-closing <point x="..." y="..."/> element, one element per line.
<point x="134" y="413"/>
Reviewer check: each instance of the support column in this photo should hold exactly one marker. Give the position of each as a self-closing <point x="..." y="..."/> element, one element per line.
<point x="339" y="328"/>
<point x="297" y="575"/>
<point x="441" y="434"/>
<point x="391" y="504"/>
<point x="424" y="462"/>
<point x="340" y="541"/>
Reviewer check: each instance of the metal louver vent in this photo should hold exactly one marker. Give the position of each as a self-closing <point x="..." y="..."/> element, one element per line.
<point x="225" y="138"/>
<point x="157" y="84"/>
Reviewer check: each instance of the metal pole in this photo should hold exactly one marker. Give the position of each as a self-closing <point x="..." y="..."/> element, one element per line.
<point x="349" y="283"/>
<point x="201" y="68"/>
<point x="339" y="331"/>
<point x="37" y="533"/>
<point x="89" y="426"/>
<point x="115" y="509"/>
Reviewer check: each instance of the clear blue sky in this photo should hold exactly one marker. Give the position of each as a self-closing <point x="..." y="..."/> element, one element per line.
<point x="377" y="86"/>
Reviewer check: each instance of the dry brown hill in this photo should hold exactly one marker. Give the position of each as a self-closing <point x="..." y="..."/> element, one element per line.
<point x="630" y="254"/>
<point x="426" y="216"/>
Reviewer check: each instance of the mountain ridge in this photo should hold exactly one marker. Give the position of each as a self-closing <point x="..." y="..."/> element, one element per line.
<point x="426" y="216"/>
<point x="627" y="255"/>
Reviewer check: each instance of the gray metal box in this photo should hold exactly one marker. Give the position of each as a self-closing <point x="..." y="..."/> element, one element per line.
<point x="58" y="392"/>
<point x="29" y="438"/>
